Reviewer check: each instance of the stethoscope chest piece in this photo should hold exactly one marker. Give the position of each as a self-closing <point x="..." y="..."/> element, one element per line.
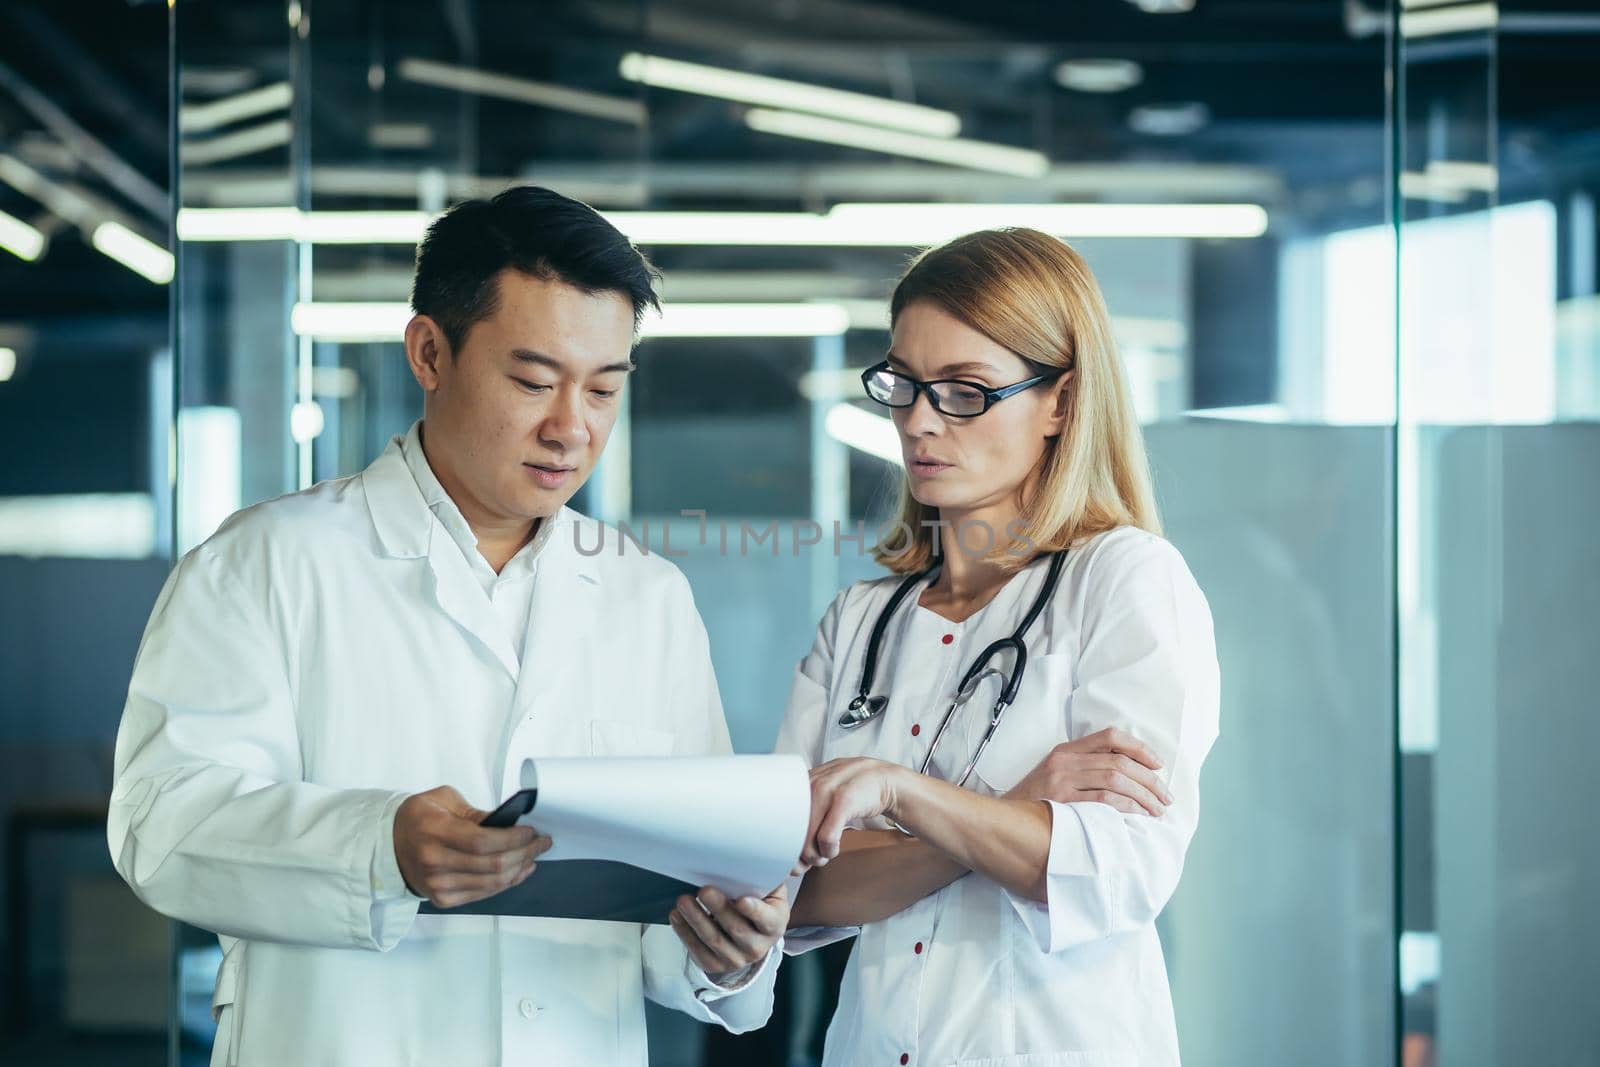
<point x="861" y="710"/>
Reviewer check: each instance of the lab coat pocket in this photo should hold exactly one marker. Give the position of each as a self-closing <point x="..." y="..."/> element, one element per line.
<point x="1039" y="720"/>
<point x="612" y="738"/>
<point x="1056" y="1059"/>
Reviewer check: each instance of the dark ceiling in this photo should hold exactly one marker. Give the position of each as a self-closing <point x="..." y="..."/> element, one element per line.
<point x="1292" y="89"/>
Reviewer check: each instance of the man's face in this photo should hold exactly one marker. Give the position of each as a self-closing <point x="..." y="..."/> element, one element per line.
<point x="515" y="422"/>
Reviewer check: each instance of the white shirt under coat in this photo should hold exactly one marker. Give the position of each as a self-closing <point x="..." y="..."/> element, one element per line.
<point x="974" y="975"/>
<point x="328" y="653"/>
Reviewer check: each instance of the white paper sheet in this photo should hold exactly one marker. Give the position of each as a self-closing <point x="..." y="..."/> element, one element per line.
<point x="734" y="822"/>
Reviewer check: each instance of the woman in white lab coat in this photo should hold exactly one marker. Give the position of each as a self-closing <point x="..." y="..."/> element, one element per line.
<point x="1004" y="901"/>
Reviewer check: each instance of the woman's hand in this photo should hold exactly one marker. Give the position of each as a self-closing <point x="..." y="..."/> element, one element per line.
<point x="727" y="937"/>
<point x="844" y="791"/>
<point x="1110" y="767"/>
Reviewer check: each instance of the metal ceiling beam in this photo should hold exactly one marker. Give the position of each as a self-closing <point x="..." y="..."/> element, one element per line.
<point x="96" y="156"/>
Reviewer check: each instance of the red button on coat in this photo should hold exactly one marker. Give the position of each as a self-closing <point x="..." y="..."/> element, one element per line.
<point x="916" y="728"/>
<point x="947" y="638"/>
<point x="905" y="1057"/>
<point x="918" y="949"/>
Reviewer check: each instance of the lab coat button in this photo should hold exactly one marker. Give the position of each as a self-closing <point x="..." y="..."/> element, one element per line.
<point x="916" y="728"/>
<point x="947" y="638"/>
<point x="528" y="1008"/>
<point x="918" y="948"/>
<point x="905" y="1057"/>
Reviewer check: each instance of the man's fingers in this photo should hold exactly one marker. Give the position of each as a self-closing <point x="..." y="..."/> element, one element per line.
<point x="466" y="836"/>
<point x="454" y="890"/>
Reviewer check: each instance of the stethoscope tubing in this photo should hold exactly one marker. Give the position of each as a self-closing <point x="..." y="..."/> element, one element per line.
<point x="864" y="707"/>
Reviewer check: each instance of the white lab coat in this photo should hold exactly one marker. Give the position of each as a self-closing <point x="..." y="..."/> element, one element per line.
<point x="973" y="975"/>
<point x="329" y="652"/>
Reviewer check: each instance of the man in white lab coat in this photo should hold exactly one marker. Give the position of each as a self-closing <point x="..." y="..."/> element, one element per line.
<point x="334" y="687"/>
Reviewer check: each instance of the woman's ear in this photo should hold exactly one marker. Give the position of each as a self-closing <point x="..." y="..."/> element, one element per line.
<point x="1061" y="393"/>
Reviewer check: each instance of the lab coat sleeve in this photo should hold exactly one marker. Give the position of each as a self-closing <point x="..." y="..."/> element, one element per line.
<point x="805" y="722"/>
<point x="1147" y="665"/>
<point x="209" y="819"/>
<point x="671" y="977"/>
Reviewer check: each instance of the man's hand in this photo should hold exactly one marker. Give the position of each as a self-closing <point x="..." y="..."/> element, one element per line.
<point x="1110" y="767"/>
<point x="448" y="858"/>
<point x="726" y="935"/>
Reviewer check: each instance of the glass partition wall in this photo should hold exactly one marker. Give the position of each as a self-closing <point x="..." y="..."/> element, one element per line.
<point x="1355" y="296"/>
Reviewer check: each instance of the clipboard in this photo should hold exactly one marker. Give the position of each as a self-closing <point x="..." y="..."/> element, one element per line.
<point x="632" y="834"/>
<point x="598" y="890"/>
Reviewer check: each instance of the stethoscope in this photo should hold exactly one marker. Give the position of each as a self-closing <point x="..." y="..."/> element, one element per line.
<point x="864" y="708"/>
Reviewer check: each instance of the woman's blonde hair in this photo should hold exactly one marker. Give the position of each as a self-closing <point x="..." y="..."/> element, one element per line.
<point x="1032" y="294"/>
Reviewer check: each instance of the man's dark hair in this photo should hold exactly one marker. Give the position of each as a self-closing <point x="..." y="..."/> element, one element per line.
<point x="532" y="230"/>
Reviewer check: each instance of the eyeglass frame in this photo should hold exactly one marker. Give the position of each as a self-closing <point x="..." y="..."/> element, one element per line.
<point x="991" y="397"/>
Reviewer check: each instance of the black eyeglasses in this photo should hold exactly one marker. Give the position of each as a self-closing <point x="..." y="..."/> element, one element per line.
<point x="949" y="396"/>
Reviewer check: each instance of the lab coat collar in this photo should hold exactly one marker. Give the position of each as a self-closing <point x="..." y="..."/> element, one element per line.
<point x="406" y="526"/>
<point x="407" y="529"/>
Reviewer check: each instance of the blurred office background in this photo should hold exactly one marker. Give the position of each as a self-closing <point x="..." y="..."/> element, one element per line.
<point x="1355" y="291"/>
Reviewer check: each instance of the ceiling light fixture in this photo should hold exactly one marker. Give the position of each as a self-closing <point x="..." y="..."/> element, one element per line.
<point x="137" y="253"/>
<point x="521" y="90"/>
<point x="1099" y="75"/>
<point x="961" y="152"/>
<point x="846" y="225"/>
<point x="661" y="73"/>
<point x="20" y="239"/>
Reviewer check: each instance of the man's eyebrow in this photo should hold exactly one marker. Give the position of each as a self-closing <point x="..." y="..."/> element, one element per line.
<point x="525" y="355"/>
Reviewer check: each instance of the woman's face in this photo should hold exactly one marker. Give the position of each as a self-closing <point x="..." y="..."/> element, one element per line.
<point x="964" y="466"/>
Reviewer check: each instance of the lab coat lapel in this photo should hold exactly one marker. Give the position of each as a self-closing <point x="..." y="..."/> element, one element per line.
<point x="407" y="529"/>
<point x="564" y="619"/>
<point x="458" y="593"/>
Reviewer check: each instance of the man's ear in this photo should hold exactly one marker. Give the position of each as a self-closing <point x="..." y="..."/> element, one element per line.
<point x="1061" y="390"/>
<point x="426" y="348"/>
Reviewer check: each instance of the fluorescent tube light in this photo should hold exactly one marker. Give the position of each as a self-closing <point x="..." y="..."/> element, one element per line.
<point x="522" y="90"/>
<point x="847" y="225"/>
<point x="386" y="321"/>
<point x="335" y="321"/>
<point x="244" y="142"/>
<point x="928" y="223"/>
<point x="238" y="224"/>
<point x="864" y="432"/>
<point x="8" y="363"/>
<point x="661" y="73"/>
<point x="83" y="526"/>
<point x="978" y="155"/>
<point x="748" y="320"/>
<point x="138" y="254"/>
<point x="290" y="224"/>
<point x="1437" y="21"/>
<point x="364" y="227"/>
<point x="200" y="118"/>
<point x="20" y="239"/>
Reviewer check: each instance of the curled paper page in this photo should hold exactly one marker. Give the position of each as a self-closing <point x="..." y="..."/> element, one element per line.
<point x="734" y="822"/>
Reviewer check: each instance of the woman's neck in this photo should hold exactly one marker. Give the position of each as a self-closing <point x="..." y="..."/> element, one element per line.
<point x="971" y="544"/>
